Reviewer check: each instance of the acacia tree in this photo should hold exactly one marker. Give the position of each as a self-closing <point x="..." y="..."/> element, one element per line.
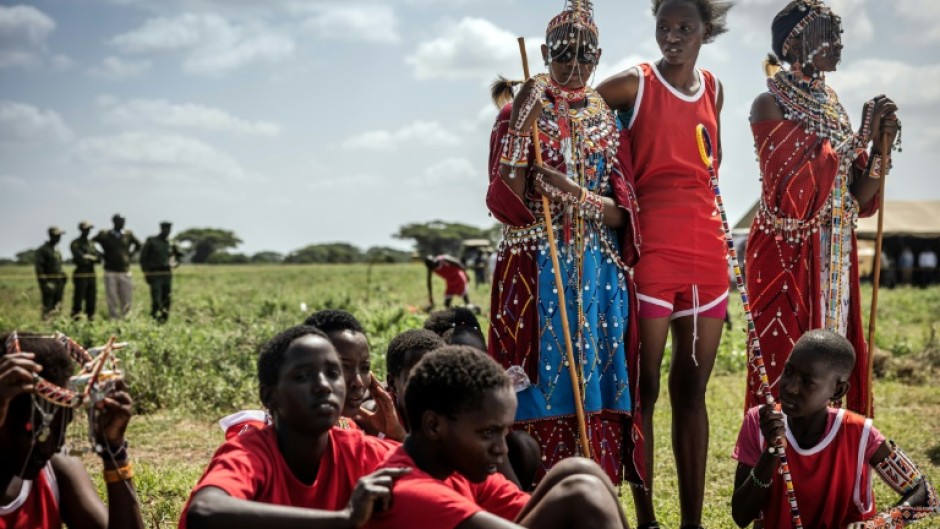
<point x="207" y="241"/>
<point x="439" y="237"/>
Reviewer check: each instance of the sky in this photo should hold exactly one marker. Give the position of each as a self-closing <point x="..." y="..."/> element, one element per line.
<point x="296" y="122"/>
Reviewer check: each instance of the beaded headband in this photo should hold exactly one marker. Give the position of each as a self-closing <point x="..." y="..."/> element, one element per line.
<point x="577" y="13"/>
<point x="816" y="9"/>
<point x="88" y="384"/>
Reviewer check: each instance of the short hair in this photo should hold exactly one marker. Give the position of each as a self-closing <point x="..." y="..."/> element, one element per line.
<point x="51" y="354"/>
<point x="271" y="354"/>
<point x="421" y="340"/>
<point x="334" y="320"/>
<point x="831" y="347"/>
<point x="713" y="12"/>
<point x="449" y="380"/>
<point x="440" y="321"/>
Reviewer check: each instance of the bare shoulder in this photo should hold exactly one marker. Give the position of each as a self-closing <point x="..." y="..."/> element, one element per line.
<point x="619" y="90"/>
<point x="765" y="108"/>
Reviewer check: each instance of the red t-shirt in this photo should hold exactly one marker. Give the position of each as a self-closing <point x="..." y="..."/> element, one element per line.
<point x="36" y="506"/>
<point x="832" y="480"/>
<point x="250" y="466"/>
<point x="419" y="496"/>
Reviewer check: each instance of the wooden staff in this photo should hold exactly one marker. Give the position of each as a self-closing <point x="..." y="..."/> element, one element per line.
<point x="559" y="283"/>
<point x="876" y="278"/>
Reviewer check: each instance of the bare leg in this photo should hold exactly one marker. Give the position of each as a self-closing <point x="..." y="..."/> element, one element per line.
<point x="687" y="384"/>
<point x="652" y="343"/>
<point x="575" y="493"/>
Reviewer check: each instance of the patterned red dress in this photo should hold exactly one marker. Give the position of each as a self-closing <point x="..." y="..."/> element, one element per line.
<point x="805" y="217"/>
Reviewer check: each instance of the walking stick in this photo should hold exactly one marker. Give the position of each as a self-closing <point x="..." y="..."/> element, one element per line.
<point x="559" y="283"/>
<point x="705" y="150"/>
<point x="876" y="278"/>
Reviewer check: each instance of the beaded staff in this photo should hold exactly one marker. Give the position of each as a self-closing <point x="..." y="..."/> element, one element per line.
<point x="705" y="150"/>
<point x="559" y="283"/>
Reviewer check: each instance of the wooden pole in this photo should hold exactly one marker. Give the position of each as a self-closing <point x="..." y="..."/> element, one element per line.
<point x="876" y="277"/>
<point x="573" y="371"/>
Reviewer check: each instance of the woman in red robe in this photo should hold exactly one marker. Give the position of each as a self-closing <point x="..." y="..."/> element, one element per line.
<point x="818" y="176"/>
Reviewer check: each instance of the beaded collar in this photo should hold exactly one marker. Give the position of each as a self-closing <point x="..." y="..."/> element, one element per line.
<point x="815" y="106"/>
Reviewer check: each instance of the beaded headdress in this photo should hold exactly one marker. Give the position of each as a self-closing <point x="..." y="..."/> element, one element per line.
<point x="96" y="378"/>
<point x="816" y="26"/>
<point x="577" y="13"/>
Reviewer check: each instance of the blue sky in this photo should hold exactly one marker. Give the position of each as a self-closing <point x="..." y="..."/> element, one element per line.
<point x="294" y="122"/>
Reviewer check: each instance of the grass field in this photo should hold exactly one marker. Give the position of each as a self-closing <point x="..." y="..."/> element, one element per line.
<point x="201" y="365"/>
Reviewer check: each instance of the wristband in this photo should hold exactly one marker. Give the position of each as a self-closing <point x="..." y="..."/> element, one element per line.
<point x="108" y="454"/>
<point x="117" y="475"/>
<point x="758" y="482"/>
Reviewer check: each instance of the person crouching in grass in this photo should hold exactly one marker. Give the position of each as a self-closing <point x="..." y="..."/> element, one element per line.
<point x="299" y="471"/>
<point x="831" y="452"/>
<point x="460" y="405"/>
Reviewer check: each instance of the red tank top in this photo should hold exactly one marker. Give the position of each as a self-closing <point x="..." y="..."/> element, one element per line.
<point x="682" y="237"/>
<point x="37" y="505"/>
<point x="832" y="479"/>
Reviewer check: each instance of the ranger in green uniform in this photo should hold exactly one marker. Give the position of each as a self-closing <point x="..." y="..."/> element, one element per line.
<point x="158" y="256"/>
<point x="119" y="246"/>
<point x="85" y="255"/>
<point x="49" y="273"/>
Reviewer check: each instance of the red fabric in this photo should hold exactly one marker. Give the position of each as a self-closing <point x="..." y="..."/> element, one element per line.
<point x="38" y="510"/>
<point x="783" y="280"/>
<point x="515" y="341"/>
<point x="419" y="496"/>
<point x="250" y="466"/>
<point x="681" y="227"/>
<point x="559" y="440"/>
<point x="456" y="277"/>
<point x="747" y="452"/>
<point x="827" y="503"/>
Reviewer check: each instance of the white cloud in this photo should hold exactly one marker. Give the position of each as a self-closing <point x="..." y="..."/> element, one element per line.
<point x="23" y="33"/>
<point x="212" y="44"/>
<point x="422" y="132"/>
<point x="473" y="48"/>
<point x="373" y="23"/>
<point x="118" y="69"/>
<point x="923" y="13"/>
<point x="452" y="172"/>
<point x="22" y="123"/>
<point x="185" y="116"/>
<point x="907" y="84"/>
<point x="157" y="157"/>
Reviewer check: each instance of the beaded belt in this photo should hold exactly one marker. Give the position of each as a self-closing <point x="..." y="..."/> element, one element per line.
<point x="793" y="230"/>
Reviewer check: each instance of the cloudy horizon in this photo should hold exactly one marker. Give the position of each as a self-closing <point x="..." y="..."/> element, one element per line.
<point x="296" y="122"/>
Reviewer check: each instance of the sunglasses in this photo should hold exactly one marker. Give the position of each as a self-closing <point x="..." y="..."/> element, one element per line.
<point x="584" y="56"/>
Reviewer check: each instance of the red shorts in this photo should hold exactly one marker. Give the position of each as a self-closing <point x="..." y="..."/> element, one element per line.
<point x="665" y="300"/>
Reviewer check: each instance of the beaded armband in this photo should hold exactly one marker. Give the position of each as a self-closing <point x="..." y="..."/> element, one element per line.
<point x="898" y="471"/>
<point x="756" y="481"/>
<point x="876" y="166"/>
<point x="515" y="152"/>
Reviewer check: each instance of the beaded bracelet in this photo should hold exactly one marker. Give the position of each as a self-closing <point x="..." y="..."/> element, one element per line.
<point x="117" y="475"/>
<point x="758" y="482"/>
<point x="107" y="453"/>
<point x="876" y="167"/>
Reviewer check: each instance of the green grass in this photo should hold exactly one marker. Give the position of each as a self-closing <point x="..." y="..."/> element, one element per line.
<point x="201" y="365"/>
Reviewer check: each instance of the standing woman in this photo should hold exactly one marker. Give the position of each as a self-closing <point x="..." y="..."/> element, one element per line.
<point x="593" y="207"/>
<point x="682" y="278"/>
<point x="817" y="177"/>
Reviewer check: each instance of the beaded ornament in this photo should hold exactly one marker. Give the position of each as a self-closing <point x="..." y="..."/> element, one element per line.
<point x="96" y="379"/>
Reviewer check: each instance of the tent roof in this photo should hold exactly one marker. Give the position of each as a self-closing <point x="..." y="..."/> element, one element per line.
<point x="907" y="218"/>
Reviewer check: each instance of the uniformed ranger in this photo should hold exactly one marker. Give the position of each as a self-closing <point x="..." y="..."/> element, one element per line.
<point x="157" y="258"/>
<point x="85" y="255"/>
<point x="49" y="272"/>
<point x="119" y="246"/>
